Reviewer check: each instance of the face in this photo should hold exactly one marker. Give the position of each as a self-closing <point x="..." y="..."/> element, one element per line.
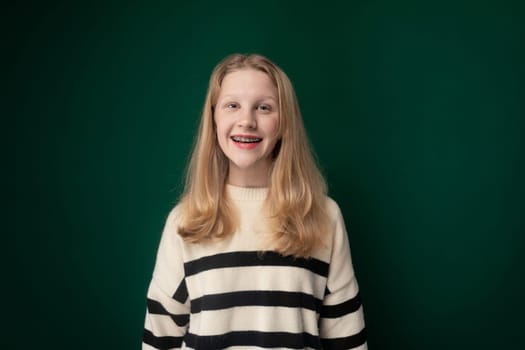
<point x="247" y="121"/>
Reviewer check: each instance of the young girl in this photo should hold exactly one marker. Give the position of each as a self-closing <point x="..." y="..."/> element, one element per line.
<point x="255" y="255"/>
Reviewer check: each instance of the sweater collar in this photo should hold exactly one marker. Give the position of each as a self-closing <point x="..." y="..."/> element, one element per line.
<point x="247" y="193"/>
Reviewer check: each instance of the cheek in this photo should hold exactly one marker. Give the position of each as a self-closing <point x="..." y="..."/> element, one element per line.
<point x="219" y="127"/>
<point x="221" y="133"/>
<point x="273" y="127"/>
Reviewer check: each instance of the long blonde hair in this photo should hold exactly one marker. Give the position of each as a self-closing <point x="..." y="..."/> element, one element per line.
<point x="295" y="204"/>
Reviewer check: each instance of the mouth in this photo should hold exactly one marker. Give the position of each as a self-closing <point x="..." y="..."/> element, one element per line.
<point x="246" y="139"/>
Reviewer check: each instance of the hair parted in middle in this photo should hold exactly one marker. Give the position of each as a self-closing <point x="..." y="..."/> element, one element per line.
<point x="295" y="204"/>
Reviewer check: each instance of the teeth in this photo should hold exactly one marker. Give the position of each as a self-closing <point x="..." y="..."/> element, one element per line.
<point x="246" y="139"/>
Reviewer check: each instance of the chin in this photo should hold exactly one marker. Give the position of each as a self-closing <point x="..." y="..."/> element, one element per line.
<point x="244" y="165"/>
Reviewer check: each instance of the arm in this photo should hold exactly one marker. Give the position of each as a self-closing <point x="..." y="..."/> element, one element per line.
<point x="342" y="322"/>
<point x="167" y="314"/>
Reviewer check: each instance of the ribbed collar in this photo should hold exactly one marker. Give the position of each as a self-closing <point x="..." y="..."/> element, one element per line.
<point x="247" y="193"/>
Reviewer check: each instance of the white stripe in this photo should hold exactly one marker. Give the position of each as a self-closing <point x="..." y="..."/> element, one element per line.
<point x="259" y="318"/>
<point x="256" y="278"/>
<point x="162" y="325"/>
<point x="148" y="347"/>
<point x="170" y="304"/>
<point x="345" y="293"/>
<point x="349" y="324"/>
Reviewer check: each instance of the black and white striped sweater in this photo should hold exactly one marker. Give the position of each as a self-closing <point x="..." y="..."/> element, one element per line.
<point x="235" y="294"/>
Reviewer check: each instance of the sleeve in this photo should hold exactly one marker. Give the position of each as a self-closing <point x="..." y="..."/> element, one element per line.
<point x="167" y="313"/>
<point x="341" y="322"/>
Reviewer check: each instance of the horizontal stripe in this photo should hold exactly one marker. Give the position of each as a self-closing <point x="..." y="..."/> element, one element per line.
<point x="181" y="294"/>
<point x="163" y="343"/>
<point x="260" y="318"/>
<point x="350" y="342"/>
<point x="351" y="323"/>
<point x="239" y="259"/>
<point x="334" y="311"/>
<point x="281" y="278"/>
<point x="253" y="338"/>
<point x="156" y="308"/>
<point x="255" y="298"/>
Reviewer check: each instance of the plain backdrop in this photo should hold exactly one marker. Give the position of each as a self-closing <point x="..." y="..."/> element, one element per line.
<point x="415" y="110"/>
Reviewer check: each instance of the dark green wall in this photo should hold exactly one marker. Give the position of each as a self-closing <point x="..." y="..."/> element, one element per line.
<point x="415" y="109"/>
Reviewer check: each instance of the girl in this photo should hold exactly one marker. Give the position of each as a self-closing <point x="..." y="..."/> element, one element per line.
<point x="255" y="255"/>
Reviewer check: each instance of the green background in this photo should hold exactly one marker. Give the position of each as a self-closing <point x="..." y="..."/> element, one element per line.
<point x="415" y="110"/>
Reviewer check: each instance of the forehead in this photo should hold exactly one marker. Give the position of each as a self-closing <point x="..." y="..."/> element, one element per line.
<point x="247" y="82"/>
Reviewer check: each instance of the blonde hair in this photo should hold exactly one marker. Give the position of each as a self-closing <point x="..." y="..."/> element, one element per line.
<point x="296" y="198"/>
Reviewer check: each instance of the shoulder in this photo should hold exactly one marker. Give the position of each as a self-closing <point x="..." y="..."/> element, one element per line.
<point x="332" y="209"/>
<point x="334" y="232"/>
<point x="171" y="227"/>
<point x="174" y="215"/>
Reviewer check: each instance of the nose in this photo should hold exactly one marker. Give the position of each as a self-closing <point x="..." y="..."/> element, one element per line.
<point x="247" y="119"/>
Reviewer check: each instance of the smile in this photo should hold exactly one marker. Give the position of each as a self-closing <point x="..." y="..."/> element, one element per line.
<point x="245" y="139"/>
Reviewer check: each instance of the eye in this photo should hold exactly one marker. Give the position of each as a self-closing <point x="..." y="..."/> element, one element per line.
<point x="264" y="107"/>
<point x="232" y="105"/>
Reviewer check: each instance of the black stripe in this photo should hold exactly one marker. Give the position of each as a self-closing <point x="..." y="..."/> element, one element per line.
<point x="181" y="294"/>
<point x="255" y="298"/>
<point x="349" y="306"/>
<point x="253" y="338"/>
<point x="163" y="343"/>
<point x="350" y="342"/>
<point x="241" y="259"/>
<point x="156" y="308"/>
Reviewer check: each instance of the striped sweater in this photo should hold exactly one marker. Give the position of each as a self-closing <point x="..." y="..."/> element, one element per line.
<point x="236" y="294"/>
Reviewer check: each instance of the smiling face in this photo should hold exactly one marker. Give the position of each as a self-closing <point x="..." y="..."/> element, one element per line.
<point x="247" y="123"/>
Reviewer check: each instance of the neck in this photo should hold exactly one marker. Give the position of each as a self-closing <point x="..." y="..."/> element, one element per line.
<point x="253" y="177"/>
